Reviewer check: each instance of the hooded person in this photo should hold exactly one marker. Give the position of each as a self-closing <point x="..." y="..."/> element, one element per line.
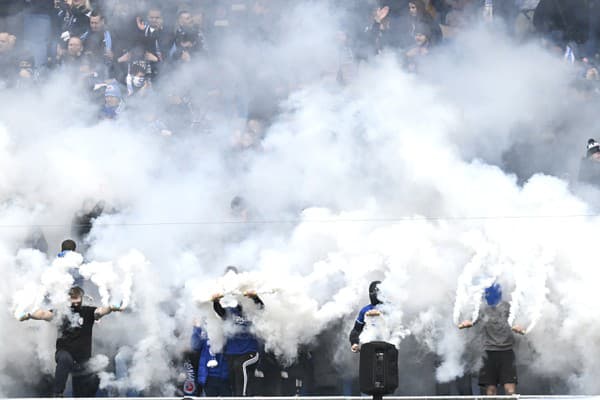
<point x="241" y="346"/>
<point x="499" y="365"/>
<point x="589" y="169"/>
<point x="74" y="342"/>
<point x="359" y="324"/>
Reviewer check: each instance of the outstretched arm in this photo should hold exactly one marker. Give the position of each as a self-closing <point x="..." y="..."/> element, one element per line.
<point x="40" y="315"/>
<point x="104" y="311"/>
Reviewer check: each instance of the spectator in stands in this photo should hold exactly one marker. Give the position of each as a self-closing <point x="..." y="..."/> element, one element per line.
<point x="159" y="42"/>
<point x="27" y="75"/>
<point x="98" y="40"/>
<point x="187" y="45"/>
<point x="589" y="169"/>
<point x="252" y="135"/>
<point x="186" y="28"/>
<point x="73" y="56"/>
<point x="74" y="17"/>
<point x="113" y="101"/>
<point x="563" y="21"/>
<point x="421" y="47"/>
<point x="420" y="19"/>
<point x="8" y="60"/>
<point x="138" y="78"/>
<point x="387" y="29"/>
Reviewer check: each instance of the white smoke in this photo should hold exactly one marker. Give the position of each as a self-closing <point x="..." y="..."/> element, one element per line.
<point x="394" y="177"/>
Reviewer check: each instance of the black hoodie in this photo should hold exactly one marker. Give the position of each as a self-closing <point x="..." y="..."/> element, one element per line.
<point x="358" y="325"/>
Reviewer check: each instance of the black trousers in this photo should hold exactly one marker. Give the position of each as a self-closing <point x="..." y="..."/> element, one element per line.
<point x="84" y="383"/>
<point x="241" y="372"/>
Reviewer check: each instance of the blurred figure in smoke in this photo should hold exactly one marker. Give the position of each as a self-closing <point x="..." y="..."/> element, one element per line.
<point x="419" y="19"/>
<point x="589" y="169"/>
<point x="370" y="309"/>
<point x="387" y="29"/>
<point x="74" y="343"/>
<point x="73" y="56"/>
<point x="37" y="240"/>
<point x="241" y="347"/>
<point x="8" y="60"/>
<point x="212" y="370"/>
<point x="420" y="49"/>
<point x="98" y="42"/>
<point x="563" y="21"/>
<point x="83" y="221"/>
<point x="239" y="208"/>
<point x="74" y="17"/>
<point x="252" y="135"/>
<point x="499" y="366"/>
<point x="186" y="46"/>
<point x="113" y="101"/>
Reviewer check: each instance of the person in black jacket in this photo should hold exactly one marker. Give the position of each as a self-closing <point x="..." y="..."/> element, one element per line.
<point x="242" y="347"/>
<point x="359" y="324"/>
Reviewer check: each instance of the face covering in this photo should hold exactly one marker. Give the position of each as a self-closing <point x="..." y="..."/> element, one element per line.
<point x="138" y="81"/>
<point x="75" y="307"/>
<point x="373" y="293"/>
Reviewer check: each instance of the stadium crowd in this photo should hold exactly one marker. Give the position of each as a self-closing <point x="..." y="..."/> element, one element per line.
<point x="123" y="56"/>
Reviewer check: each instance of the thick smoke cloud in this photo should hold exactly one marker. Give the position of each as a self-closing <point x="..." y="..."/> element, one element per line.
<point x="419" y="181"/>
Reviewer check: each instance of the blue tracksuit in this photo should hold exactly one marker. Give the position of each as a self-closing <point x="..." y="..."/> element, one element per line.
<point x="201" y="344"/>
<point x="243" y="341"/>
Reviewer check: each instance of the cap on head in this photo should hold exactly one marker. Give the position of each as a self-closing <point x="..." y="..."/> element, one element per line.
<point x="493" y="294"/>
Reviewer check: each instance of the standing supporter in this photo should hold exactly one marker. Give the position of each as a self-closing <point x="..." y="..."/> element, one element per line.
<point x="418" y="16"/>
<point x="98" y="40"/>
<point x="359" y="324"/>
<point x="241" y="348"/>
<point x="74" y="18"/>
<point x="74" y="343"/>
<point x="499" y="365"/>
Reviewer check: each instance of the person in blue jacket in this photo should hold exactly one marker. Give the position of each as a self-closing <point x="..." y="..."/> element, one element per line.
<point x="213" y="374"/>
<point x="241" y="348"/>
<point x="359" y="324"/>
